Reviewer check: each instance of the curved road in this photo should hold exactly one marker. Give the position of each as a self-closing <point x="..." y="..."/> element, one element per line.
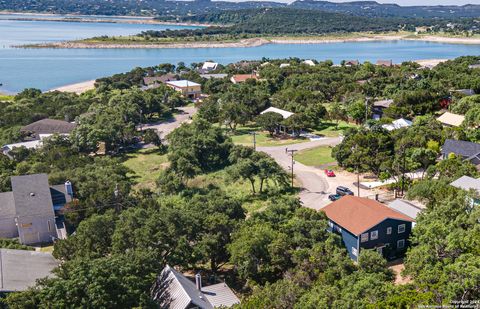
<point x="315" y="187"/>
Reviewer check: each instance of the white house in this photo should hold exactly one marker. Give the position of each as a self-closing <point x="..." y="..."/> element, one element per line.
<point x="285" y="114"/>
<point x="309" y="62"/>
<point x="397" y="124"/>
<point x="209" y="66"/>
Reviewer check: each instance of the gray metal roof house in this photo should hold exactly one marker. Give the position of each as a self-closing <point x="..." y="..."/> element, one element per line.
<point x="467" y="150"/>
<point x="173" y="290"/>
<point x="28" y="211"/>
<point x="19" y="269"/>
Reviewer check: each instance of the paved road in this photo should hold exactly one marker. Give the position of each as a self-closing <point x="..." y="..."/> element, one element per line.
<point x="316" y="186"/>
<point x="165" y="127"/>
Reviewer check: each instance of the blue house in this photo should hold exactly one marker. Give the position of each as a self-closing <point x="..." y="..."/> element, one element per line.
<point x="367" y="224"/>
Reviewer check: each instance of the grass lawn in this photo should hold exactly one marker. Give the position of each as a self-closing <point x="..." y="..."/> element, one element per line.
<point x="315" y="156"/>
<point x="146" y="166"/>
<point x="238" y="189"/>
<point x="6" y="97"/>
<point x="329" y="129"/>
<point x="242" y="136"/>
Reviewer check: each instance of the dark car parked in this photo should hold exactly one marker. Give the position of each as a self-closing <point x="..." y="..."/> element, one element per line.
<point x="334" y="197"/>
<point x="344" y="191"/>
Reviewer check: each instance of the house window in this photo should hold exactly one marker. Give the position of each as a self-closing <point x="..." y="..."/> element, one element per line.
<point x="389" y="230"/>
<point x="354" y="251"/>
<point x="364" y="237"/>
<point x="401" y="244"/>
<point x="401" y="228"/>
<point x="330" y="224"/>
<point x="374" y="235"/>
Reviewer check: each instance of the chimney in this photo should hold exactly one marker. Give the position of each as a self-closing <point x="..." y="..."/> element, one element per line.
<point x="198" y="281"/>
<point x="69" y="188"/>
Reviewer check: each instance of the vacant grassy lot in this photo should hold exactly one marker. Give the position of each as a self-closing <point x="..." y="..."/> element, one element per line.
<point x="242" y="136"/>
<point x="315" y="156"/>
<point x="146" y="166"/>
<point x="330" y="129"/>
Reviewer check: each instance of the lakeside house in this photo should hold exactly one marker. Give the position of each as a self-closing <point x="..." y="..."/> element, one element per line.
<point x="47" y="127"/>
<point x="309" y="63"/>
<point x="37" y="131"/>
<point x="285" y="114"/>
<point x="385" y="63"/>
<point x="397" y="124"/>
<point x="379" y="107"/>
<point x="367" y="224"/>
<point x="351" y="63"/>
<point x="187" y="88"/>
<point x="32" y="210"/>
<point x="451" y="119"/>
<point x="173" y="290"/>
<point x="208" y="66"/>
<point x="20" y="269"/>
<point x="154" y="81"/>
<point x="466" y="150"/>
<point x="284" y="65"/>
<point x="241" y="78"/>
<point x="474" y="66"/>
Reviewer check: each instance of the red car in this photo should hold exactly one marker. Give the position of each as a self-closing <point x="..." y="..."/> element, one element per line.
<point x="329" y="173"/>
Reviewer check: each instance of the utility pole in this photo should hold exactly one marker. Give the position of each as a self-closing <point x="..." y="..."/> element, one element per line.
<point x="354" y="149"/>
<point x="116" y="194"/>
<point x="291" y="153"/>
<point x="254" y="140"/>
<point x="366" y="110"/>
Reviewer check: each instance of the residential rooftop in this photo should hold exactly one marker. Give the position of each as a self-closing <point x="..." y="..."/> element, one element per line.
<point x="358" y="214"/>
<point x="182" y="83"/>
<point x="19" y="269"/>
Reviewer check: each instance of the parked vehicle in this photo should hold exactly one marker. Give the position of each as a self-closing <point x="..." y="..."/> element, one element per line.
<point x="334" y="197"/>
<point x="342" y="191"/>
<point x="329" y="173"/>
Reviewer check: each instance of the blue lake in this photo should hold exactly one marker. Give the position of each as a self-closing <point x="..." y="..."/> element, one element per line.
<point x="49" y="68"/>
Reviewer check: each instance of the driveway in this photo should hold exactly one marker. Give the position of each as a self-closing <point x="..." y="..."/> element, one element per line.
<point x="167" y="126"/>
<point x="315" y="185"/>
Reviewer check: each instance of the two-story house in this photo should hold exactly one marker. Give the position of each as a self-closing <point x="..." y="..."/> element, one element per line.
<point x="367" y="224"/>
<point x="29" y="210"/>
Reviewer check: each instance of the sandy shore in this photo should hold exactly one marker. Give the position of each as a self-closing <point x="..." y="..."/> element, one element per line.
<point x="77" y="88"/>
<point x="430" y="63"/>
<point x="253" y="42"/>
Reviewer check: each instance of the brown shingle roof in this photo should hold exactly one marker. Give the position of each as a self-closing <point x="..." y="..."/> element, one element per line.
<point x="239" y="78"/>
<point x="357" y="214"/>
<point x="149" y="80"/>
<point x="49" y="126"/>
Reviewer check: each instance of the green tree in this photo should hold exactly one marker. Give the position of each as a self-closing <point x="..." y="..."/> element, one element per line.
<point x="269" y="122"/>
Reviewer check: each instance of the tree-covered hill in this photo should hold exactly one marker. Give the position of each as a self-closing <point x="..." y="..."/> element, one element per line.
<point x="183" y="8"/>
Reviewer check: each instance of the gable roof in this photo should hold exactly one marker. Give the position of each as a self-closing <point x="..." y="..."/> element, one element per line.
<point x="451" y="119"/>
<point x="180" y="292"/>
<point x="182" y="83"/>
<point x="239" y="78"/>
<point x="462" y="148"/>
<point x="383" y="103"/>
<point x="31" y="194"/>
<point x="285" y="114"/>
<point x="220" y="295"/>
<point x="7" y="205"/>
<point x="19" y="269"/>
<point x="358" y="214"/>
<point x="405" y="208"/>
<point x="397" y="124"/>
<point x="159" y="79"/>
<point x="467" y="183"/>
<point x="387" y="63"/>
<point x="49" y="126"/>
<point x="209" y="65"/>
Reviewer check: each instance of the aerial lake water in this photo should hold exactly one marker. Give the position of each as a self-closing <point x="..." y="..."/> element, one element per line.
<point x="49" y="68"/>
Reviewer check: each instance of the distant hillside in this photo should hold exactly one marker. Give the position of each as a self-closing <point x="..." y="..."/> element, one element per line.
<point x="173" y="9"/>
<point x="291" y="21"/>
<point x="375" y="9"/>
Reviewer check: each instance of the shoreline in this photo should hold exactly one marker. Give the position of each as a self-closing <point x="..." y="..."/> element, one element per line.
<point x="114" y="19"/>
<point x="77" y="88"/>
<point x="252" y="42"/>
